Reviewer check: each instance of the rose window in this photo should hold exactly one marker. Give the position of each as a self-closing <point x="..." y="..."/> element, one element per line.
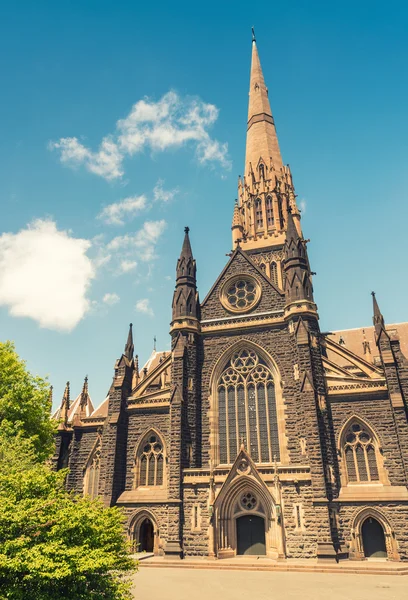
<point x="241" y="294"/>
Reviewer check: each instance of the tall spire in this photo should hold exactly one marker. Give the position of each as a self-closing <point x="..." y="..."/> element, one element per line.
<point x="129" y="348"/>
<point x="266" y="191"/>
<point x="262" y="141"/>
<point x="378" y="319"/>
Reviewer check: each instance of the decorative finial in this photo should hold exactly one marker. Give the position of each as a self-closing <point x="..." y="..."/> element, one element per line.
<point x="253" y="34"/>
<point x="373" y="294"/>
<point x="186" y="229"/>
<point x="154" y="343"/>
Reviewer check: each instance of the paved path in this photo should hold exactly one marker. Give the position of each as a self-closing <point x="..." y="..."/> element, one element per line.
<point x="203" y="584"/>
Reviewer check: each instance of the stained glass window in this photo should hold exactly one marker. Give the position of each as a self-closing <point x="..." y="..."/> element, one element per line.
<point x="246" y="392"/>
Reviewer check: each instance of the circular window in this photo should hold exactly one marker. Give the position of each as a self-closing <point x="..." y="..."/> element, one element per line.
<point x="241" y="293"/>
<point x="249" y="501"/>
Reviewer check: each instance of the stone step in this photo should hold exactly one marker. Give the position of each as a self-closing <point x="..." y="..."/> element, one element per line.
<point x="238" y="565"/>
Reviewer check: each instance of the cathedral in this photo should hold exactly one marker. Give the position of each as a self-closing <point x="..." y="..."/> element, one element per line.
<point x="257" y="434"/>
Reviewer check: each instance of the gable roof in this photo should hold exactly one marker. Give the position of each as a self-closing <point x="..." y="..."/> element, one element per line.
<point x="247" y="257"/>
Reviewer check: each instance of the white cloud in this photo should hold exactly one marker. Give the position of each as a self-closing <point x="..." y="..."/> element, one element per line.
<point x="171" y="122"/>
<point x="110" y="299"/>
<point x="143" y="241"/>
<point x="143" y="306"/>
<point x="107" y="162"/>
<point x="116" y="213"/>
<point x="45" y="275"/>
<point x="162" y="195"/>
<point x="302" y="206"/>
<point x="127" y="265"/>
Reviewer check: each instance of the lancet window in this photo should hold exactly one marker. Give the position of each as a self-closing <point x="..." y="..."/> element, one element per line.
<point x="269" y="212"/>
<point x="280" y="210"/>
<point x="258" y="214"/>
<point x="150" y="462"/>
<point x="247" y="409"/>
<point x="274" y="272"/>
<point x="360" y="454"/>
<point x="91" y="479"/>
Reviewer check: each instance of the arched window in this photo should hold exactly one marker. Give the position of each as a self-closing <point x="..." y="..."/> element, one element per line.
<point x="258" y="214"/>
<point x="262" y="171"/>
<point x="280" y="210"/>
<point x="247" y="409"/>
<point x="274" y="272"/>
<point x="91" y="479"/>
<point x="360" y="454"/>
<point x="270" y="221"/>
<point x="150" y="462"/>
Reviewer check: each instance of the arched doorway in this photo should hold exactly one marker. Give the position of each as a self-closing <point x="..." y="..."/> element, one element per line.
<point x="251" y="535"/>
<point x="373" y="539"/>
<point x="146" y="536"/>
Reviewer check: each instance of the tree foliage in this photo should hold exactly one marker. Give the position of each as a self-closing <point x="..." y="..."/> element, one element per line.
<point x="24" y="402"/>
<point x="54" y="544"/>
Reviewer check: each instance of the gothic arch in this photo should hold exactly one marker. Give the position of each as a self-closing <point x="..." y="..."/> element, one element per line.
<point x="134" y="525"/>
<point x="216" y="372"/>
<point x="356" y="417"/>
<point x="153" y="456"/>
<point x="92" y="470"/>
<point x="356" y="541"/>
<point x="361" y="460"/>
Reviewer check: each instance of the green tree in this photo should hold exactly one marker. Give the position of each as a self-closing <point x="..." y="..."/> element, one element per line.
<point x="24" y="402"/>
<point x="54" y="544"/>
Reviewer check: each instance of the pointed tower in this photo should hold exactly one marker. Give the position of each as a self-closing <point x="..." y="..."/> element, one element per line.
<point x="85" y="401"/>
<point x="186" y="306"/>
<point x="378" y="319"/>
<point x="266" y="191"/>
<point x="129" y="347"/>
<point x="297" y="275"/>
<point x="65" y="405"/>
<point x="262" y="146"/>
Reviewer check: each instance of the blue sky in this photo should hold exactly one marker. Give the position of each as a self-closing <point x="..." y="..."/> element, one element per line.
<point x="164" y="88"/>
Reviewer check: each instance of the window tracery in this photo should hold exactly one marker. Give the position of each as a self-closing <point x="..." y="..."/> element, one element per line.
<point x="247" y="409"/>
<point x="360" y="454"/>
<point x="150" y="462"/>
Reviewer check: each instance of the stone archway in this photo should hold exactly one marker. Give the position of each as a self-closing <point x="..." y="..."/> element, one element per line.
<point x="146" y="536"/>
<point x="372" y="536"/>
<point x="373" y="539"/>
<point x="143" y="532"/>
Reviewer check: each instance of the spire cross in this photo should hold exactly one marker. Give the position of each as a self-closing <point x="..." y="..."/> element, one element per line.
<point x="253" y="34"/>
<point x="186" y="229"/>
<point x="154" y="343"/>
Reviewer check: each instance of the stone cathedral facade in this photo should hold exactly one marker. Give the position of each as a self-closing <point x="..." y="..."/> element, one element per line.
<point x="257" y="433"/>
